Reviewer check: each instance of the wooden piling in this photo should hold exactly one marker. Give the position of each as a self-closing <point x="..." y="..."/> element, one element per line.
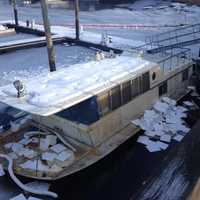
<point x="15" y="12"/>
<point x="77" y="21"/>
<point x="50" y="48"/>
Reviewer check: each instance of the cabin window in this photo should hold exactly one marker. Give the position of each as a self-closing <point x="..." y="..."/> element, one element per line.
<point x="185" y="75"/>
<point x="163" y="89"/>
<point x="115" y="97"/>
<point x="145" y="82"/>
<point x="135" y="87"/>
<point x="85" y="112"/>
<point x="193" y="68"/>
<point x="126" y="92"/>
<point x="103" y="103"/>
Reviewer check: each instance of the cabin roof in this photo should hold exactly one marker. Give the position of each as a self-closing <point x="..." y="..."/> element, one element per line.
<point x="50" y="93"/>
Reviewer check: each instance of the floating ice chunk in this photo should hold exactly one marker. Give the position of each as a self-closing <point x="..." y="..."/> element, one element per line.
<point x="143" y="140"/>
<point x="162" y="145"/>
<point x="52" y="139"/>
<point x="188" y="103"/>
<point x="48" y="156"/>
<point x="19" y="197"/>
<point x="153" y="147"/>
<point x="169" y="101"/>
<point x="159" y="128"/>
<point x="178" y="138"/>
<point x="150" y="115"/>
<point x="165" y="138"/>
<point x="161" y="107"/>
<point x="58" y="148"/>
<point x="65" y="155"/>
<point x="150" y="133"/>
<point x="181" y="109"/>
<point x="33" y="198"/>
<point x="2" y="173"/>
<point x="38" y="185"/>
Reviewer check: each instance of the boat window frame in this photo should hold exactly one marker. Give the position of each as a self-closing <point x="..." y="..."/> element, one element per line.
<point x="185" y="75"/>
<point x="113" y="99"/>
<point x="163" y="88"/>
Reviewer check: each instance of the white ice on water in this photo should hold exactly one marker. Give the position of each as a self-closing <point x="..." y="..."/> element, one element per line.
<point x="22" y="197"/>
<point x="162" y="124"/>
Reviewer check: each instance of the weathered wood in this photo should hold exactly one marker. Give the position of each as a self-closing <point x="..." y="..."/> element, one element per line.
<point x="77" y="19"/>
<point x="50" y="49"/>
<point x="15" y="12"/>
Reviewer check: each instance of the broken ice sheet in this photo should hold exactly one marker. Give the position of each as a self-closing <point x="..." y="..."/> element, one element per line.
<point x="38" y="185"/>
<point x="165" y="138"/>
<point x="188" y="103"/>
<point x="162" y="145"/>
<point x="169" y="101"/>
<point x="178" y="137"/>
<point x="161" y="107"/>
<point x="19" y="197"/>
<point x="33" y="198"/>
<point x="143" y="140"/>
<point x="153" y="147"/>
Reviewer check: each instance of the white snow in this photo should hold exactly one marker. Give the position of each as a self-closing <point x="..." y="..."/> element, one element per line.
<point x="2" y="28"/>
<point x="178" y="138"/>
<point x="165" y="138"/>
<point x="188" y="103"/>
<point x="53" y="92"/>
<point x="38" y="185"/>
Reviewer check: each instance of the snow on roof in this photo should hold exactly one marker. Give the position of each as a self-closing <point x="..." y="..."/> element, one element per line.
<point x="50" y="93"/>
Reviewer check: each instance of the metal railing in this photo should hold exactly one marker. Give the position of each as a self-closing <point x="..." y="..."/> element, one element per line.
<point x="174" y="38"/>
<point x="175" y="59"/>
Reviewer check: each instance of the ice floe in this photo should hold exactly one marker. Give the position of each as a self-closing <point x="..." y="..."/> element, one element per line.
<point x="162" y="124"/>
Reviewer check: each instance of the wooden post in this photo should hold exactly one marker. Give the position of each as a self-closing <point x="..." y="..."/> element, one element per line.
<point x="15" y="12"/>
<point x="77" y="19"/>
<point x="50" y="49"/>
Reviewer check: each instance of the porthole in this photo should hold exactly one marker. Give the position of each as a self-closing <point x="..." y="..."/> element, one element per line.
<point x="154" y="76"/>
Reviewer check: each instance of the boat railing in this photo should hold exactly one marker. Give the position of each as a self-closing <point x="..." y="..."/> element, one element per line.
<point x="175" y="59"/>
